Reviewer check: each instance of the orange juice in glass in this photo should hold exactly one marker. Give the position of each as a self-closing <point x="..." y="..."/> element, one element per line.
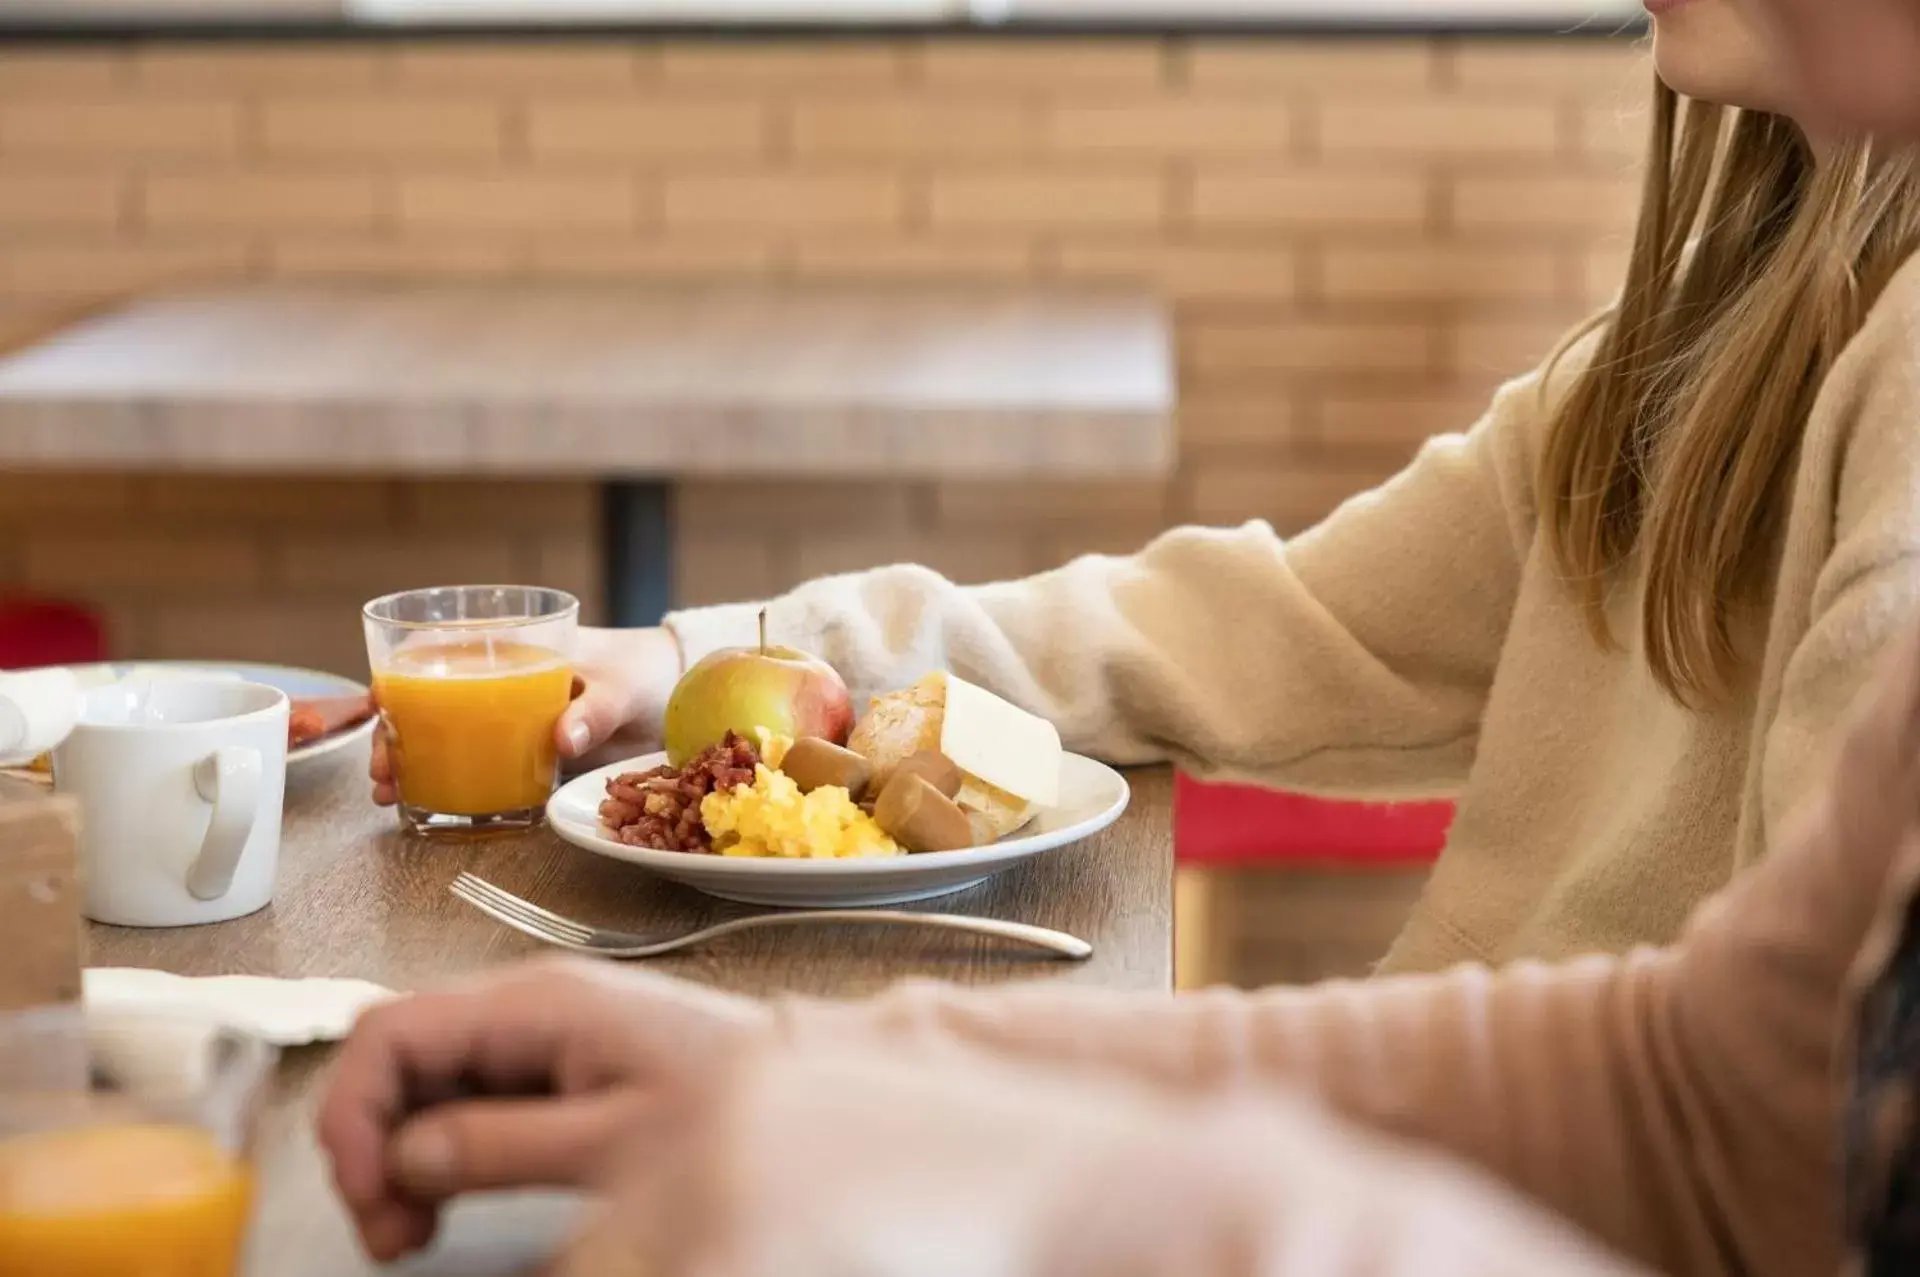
<point x="148" y="1175"/>
<point x="471" y="681"/>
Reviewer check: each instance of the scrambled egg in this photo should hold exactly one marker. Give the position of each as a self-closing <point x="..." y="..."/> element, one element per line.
<point x="772" y="819"/>
<point x="773" y="747"/>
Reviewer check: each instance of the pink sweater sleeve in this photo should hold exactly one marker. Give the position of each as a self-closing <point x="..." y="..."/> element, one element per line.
<point x="821" y="1163"/>
<point x="1675" y="1104"/>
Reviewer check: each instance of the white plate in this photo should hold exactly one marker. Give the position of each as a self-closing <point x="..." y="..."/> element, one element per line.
<point x="1092" y="796"/>
<point x="295" y="682"/>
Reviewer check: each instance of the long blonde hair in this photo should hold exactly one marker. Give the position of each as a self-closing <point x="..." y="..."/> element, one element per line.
<point x="1752" y="267"/>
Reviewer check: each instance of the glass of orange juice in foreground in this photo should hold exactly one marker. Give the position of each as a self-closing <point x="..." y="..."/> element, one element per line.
<point x="471" y="681"/>
<point x="126" y="1146"/>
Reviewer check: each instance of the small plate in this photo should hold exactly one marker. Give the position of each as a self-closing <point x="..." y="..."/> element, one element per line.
<point x="1092" y="797"/>
<point x="295" y="682"/>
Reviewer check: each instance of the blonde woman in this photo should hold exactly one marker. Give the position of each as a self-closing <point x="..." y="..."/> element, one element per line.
<point x="1619" y="618"/>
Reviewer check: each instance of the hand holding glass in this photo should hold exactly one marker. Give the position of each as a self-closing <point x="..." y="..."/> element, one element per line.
<point x="471" y="681"/>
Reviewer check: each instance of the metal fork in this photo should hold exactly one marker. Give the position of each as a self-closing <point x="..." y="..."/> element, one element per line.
<point x="530" y="919"/>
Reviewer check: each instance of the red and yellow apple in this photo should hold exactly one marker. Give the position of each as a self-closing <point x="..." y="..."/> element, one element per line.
<point x="781" y="690"/>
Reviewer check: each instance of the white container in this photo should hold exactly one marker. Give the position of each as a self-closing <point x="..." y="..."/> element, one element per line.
<point x="180" y="784"/>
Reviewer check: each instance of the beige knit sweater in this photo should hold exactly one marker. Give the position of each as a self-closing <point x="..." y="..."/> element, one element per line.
<point x="1420" y="642"/>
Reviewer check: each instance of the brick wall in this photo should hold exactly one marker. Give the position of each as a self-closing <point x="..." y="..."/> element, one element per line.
<point x="1359" y="238"/>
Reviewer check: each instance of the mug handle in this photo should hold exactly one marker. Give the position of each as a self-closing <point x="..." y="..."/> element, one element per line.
<point x="229" y="778"/>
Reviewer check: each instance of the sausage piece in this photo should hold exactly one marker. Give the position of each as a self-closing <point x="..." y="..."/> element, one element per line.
<point x="815" y="764"/>
<point x="314" y="717"/>
<point x="920" y="817"/>
<point x="935" y="768"/>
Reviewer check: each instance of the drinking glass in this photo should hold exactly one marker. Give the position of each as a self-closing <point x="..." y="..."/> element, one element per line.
<point x="471" y="680"/>
<point x="127" y="1144"/>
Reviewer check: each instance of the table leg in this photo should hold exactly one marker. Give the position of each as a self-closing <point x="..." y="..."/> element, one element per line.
<point x="638" y="545"/>
<point x="1201" y="944"/>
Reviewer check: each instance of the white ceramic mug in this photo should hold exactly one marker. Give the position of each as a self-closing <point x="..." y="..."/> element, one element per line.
<point x="180" y="784"/>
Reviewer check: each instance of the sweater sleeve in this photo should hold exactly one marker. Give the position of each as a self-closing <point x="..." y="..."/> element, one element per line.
<point x="1676" y="1104"/>
<point x="822" y="1163"/>
<point x="1867" y="591"/>
<point x="1354" y="660"/>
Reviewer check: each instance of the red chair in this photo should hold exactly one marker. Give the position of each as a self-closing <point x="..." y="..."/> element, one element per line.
<point x="1223" y="827"/>
<point x="1241" y="825"/>
<point x="37" y="631"/>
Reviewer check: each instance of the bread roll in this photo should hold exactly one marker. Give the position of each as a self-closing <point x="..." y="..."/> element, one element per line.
<point x="901" y="724"/>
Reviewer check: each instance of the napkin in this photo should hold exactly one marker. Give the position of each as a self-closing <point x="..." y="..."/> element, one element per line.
<point x="37" y="710"/>
<point x="282" y="1012"/>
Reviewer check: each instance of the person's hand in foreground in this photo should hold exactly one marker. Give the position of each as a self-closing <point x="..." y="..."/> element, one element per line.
<point x="529" y="1078"/>
<point x="622" y="679"/>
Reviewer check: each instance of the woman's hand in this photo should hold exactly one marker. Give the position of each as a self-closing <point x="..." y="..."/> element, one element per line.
<point x="531" y="1078"/>
<point x="622" y="679"/>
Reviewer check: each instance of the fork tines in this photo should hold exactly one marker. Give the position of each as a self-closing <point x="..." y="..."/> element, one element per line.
<point x="514" y="911"/>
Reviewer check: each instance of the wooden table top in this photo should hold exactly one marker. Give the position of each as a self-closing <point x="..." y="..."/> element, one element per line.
<point x="357" y="898"/>
<point x="607" y="382"/>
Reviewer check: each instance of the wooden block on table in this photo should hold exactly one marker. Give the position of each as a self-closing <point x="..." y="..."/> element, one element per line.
<point x="40" y="899"/>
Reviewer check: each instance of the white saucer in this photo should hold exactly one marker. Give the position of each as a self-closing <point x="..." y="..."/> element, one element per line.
<point x="1092" y="797"/>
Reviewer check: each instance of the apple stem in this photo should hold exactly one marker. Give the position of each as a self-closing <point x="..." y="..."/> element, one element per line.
<point x="763" y="631"/>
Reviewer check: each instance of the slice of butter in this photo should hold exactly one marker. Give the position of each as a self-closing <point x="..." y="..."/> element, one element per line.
<point x="1001" y="744"/>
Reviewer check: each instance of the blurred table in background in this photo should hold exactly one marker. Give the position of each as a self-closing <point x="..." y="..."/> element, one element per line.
<point x="632" y="387"/>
